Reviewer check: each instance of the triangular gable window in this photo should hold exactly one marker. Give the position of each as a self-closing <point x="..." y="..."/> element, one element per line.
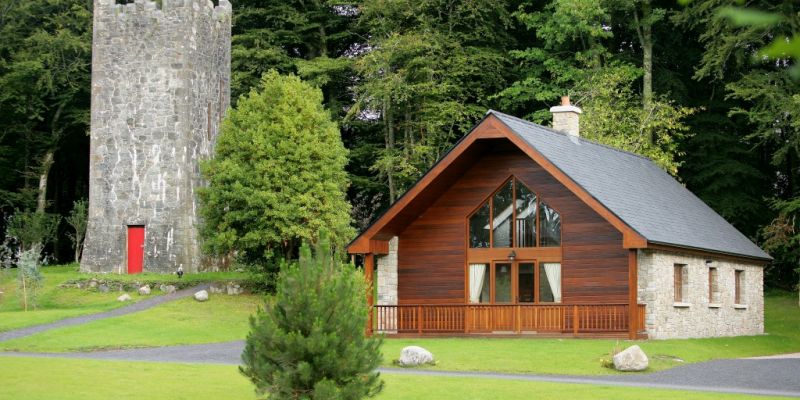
<point x="510" y="218"/>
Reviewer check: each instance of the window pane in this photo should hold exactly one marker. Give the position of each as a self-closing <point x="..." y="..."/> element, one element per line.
<point x="502" y="283"/>
<point x="479" y="227"/>
<point x="550" y="283"/>
<point x="502" y="214"/>
<point x="525" y="283"/>
<point x="550" y="224"/>
<point x="526" y="216"/>
<point x="478" y="283"/>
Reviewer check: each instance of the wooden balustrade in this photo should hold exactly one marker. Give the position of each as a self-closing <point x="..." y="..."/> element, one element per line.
<point x="505" y="318"/>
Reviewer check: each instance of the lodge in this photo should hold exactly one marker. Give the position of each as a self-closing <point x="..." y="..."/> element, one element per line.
<point x="522" y="229"/>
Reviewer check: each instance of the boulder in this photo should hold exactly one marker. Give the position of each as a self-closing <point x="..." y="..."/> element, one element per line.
<point x="144" y="290"/>
<point x="124" y="297"/>
<point x="103" y="288"/>
<point x="201" y="296"/>
<point x="167" y="289"/>
<point x="217" y="288"/>
<point x="93" y="283"/>
<point x="631" y="359"/>
<point x="234" y="289"/>
<point x="413" y="356"/>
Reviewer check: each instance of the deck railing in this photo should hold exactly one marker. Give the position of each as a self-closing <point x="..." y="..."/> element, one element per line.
<point x="505" y="318"/>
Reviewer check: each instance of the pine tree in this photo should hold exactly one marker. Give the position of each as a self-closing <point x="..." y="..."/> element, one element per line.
<point x="310" y="342"/>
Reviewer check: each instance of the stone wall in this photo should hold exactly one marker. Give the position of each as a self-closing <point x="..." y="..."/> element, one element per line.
<point x="387" y="275"/>
<point x="160" y="86"/>
<point x="696" y="316"/>
<point x="387" y="286"/>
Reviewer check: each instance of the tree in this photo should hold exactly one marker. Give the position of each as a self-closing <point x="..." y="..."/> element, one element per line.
<point x="78" y="219"/>
<point x="575" y="54"/>
<point x="29" y="276"/>
<point x="277" y="177"/>
<point x="45" y="63"/>
<point x="32" y="230"/>
<point x="310" y="341"/>
<point x="425" y="78"/>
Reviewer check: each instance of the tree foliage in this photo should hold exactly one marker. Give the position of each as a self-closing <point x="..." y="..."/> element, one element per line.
<point x="309" y="342"/>
<point x="277" y="177"/>
<point x="78" y="219"/>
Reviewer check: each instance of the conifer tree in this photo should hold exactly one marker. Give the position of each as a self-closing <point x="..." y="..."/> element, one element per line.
<point x="310" y="341"/>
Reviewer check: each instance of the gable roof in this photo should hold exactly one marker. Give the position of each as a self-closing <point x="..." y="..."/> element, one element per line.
<point x="644" y="202"/>
<point x="636" y="190"/>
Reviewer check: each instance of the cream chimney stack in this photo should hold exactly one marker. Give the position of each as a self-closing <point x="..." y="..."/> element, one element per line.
<point x="566" y="117"/>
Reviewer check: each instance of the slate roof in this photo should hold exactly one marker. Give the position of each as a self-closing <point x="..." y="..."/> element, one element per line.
<point x="640" y="193"/>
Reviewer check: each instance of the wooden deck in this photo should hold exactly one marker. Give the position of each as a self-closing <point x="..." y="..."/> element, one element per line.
<point x="579" y="320"/>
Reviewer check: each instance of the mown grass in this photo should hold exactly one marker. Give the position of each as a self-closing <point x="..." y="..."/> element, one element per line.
<point x="54" y="303"/>
<point x="582" y="356"/>
<point x="185" y="321"/>
<point x="67" y="379"/>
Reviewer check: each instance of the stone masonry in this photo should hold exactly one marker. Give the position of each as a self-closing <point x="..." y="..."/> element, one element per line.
<point x="696" y="316"/>
<point x="160" y="86"/>
<point x="387" y="285"/>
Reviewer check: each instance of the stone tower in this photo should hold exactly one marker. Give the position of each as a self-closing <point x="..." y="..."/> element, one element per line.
<point x="160" y="86"/>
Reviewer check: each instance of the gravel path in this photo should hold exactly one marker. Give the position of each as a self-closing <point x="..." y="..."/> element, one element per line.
<point x="135" y="307"/>
<point x="775" y="376"/>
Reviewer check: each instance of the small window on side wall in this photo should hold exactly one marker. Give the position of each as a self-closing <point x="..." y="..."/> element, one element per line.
<point x="738" y="297"/>
<point x="681" y="283"/>
<point x="714" y="296"/>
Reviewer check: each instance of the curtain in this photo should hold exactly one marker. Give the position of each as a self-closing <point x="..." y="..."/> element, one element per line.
<point x="476" y="274"/>
<point x="553" y="271"/>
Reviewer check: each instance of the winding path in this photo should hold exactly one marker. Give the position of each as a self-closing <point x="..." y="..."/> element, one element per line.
<point x="135" y="307"/>
<point x="771" y="376"/>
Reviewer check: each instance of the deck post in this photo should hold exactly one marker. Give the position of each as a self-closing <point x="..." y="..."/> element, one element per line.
<point x="369" y="266"/>
<point x="575" y="321"/>
<point x="633" y="301"/>
<point x="419" y="319"/>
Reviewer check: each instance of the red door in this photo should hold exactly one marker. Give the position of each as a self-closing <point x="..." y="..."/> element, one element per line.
<point x="135" y="249"/>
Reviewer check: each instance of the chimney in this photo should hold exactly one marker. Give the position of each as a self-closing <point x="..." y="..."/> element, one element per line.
<point x="566" y="117"/>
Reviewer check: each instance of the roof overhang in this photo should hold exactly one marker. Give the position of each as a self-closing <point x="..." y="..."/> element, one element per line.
<point x="445" y="172"/>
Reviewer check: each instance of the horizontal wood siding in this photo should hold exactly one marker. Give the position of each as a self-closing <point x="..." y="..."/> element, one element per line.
<point x="432" y="248"/>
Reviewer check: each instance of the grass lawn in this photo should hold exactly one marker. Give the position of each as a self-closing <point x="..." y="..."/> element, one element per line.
<point x="582" y="356"/>
<point x="54" y="303"/>
<point x="185" y="321"/>
<point x="21" y="378"/>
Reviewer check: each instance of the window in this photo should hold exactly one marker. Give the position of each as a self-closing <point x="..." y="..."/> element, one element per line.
<point x="526" y="282"/>
<point x="514" y="216"/>
<point x="681" y="283"/>
<point x="479" y="228"/>
<point x="502" y="283"/>
<point x="550" y="283"/>
<point x="713" y="286"/>
<point x="738" y="297"/>
<point x="478" y="283"/>
<point x="550" y="226"/>
<point x="502" y="212"/>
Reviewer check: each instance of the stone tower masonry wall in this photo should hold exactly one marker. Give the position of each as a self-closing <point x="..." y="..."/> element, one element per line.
<point x="160" y="86"/>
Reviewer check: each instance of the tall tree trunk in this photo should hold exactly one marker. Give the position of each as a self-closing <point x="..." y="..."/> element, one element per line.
<point x="44" y="173"/>
<point x="387" y="120"/>
<point x="644" y="29"/>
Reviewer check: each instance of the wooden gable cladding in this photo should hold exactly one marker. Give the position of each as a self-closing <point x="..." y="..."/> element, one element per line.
<point x="464" y="154"/>
<point x="432" y="253"/>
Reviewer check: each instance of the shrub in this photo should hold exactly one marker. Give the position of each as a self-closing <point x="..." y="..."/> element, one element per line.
<point x="29" y="276"/>
<point x="310" y="342"/>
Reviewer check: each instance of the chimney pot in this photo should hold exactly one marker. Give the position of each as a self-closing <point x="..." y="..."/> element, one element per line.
<point x="566" y="117"/>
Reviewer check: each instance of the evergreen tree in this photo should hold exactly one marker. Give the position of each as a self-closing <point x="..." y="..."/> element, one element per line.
<point x="277" y="177"/>
<point x="310" y="342"/>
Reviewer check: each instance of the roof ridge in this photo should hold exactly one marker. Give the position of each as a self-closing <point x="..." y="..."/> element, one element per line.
<point x="553" y="131"/>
